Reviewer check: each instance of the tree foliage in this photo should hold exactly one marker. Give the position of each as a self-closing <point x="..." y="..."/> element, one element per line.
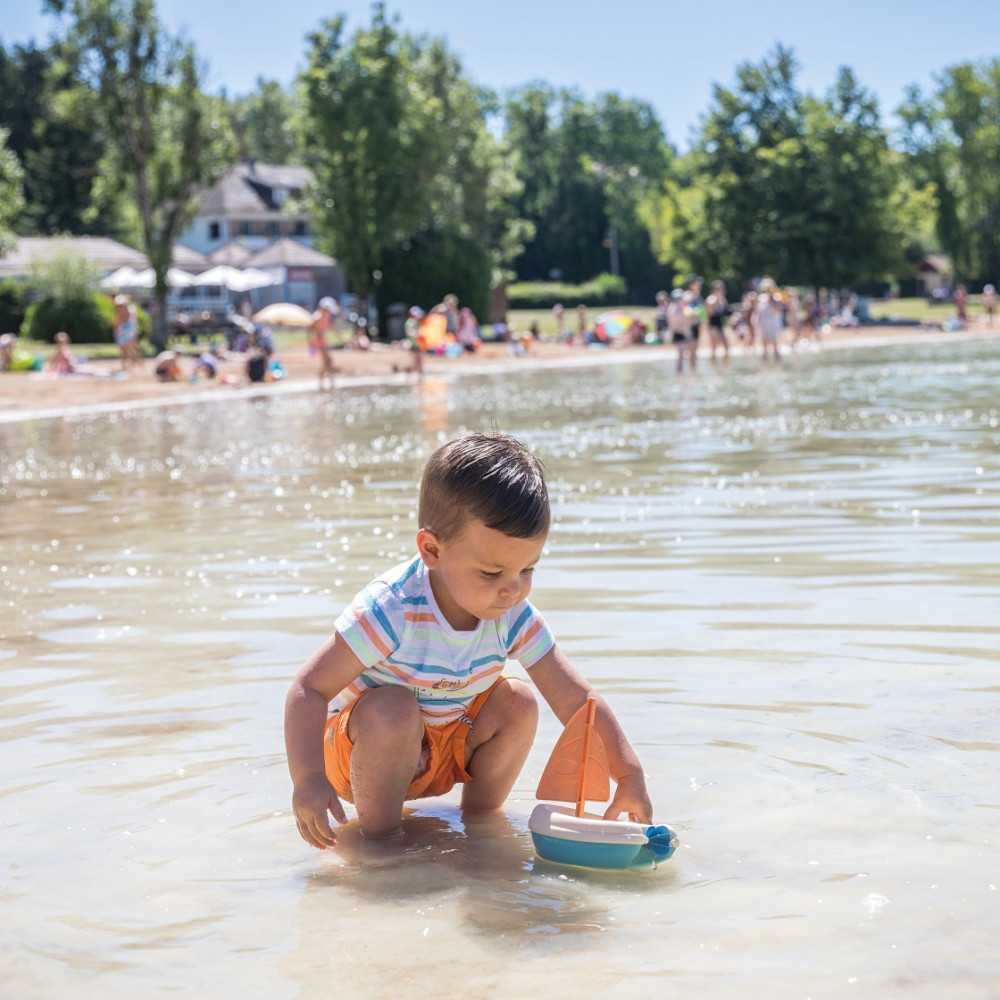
<point x="397" y="139"/>
<point x="785" y="183"/>
<point x="585" y="168"/>
<point x="264" y="123"/>
<point x="11" y="199"/>
<point x="952" y="140"/>
<point x="56" y="131"/>
<point x="164" y="138"/>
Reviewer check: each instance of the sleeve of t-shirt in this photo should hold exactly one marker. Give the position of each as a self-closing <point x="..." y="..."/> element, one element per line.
<point x="528" y="637"/>
<point x="372" y="624"/>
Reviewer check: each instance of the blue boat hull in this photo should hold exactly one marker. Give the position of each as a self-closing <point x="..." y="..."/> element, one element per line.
<point x="585" y="854"/>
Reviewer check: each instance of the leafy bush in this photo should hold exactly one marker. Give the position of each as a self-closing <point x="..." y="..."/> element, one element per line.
<point x="64" y="276"/>
<point x="87" y="318"/>
<point x="65" y="289"/>
<point x="605" y="289"/>
<point x="425" y="269"/>
<point x="12" y="306"/>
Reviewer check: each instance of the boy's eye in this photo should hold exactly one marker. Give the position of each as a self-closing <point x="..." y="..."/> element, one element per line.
<point x="492" y="576"/>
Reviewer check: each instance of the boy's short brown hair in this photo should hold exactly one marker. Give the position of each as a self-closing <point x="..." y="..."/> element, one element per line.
<point x="490" y="477"/>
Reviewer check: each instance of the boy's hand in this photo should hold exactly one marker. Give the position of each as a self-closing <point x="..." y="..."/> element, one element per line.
<point x="631" y="797"/>
<point x="310" y="801"/>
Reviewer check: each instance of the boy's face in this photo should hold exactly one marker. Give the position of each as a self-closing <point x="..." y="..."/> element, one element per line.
<point x="484" y="571"/>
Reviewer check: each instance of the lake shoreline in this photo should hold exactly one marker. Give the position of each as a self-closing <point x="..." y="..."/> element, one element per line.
<point x="70" y="397"/>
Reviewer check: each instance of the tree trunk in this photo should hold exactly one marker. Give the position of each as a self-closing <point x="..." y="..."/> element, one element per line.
<point x="159" y="336"/>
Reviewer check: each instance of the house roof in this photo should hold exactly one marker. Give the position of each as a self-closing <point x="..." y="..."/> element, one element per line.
<point x="247" y="189"/>
<point x="235" y="254"/>
<point x="103" y="254"/>
<point x="288" y="253"/>
<point x="936" y="262"/>
<point x="189" y="260"/>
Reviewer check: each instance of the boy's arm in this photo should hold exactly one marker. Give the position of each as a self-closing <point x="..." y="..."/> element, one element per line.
<point x="322" y="678"/>
<point x="565" y="691"/>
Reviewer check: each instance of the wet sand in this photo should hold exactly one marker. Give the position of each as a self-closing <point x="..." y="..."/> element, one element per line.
<point x="26" y="396"/>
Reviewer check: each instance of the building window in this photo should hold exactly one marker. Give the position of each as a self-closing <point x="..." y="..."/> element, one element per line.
<point x="301" y="228"/>
<point x="214" y="230"/>
<point x="245" y="229"/>
<point x="274" y="230"/>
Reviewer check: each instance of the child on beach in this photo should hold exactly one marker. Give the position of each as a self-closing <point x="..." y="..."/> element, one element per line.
<point x="61" y="362"/>
<point x="414" y="667"/>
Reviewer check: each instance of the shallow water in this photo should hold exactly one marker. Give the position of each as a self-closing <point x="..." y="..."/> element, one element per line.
<point x="785" y="582"/>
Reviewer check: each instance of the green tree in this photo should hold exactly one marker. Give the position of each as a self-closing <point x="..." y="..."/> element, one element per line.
<point x="952" y="139"/>
<point x="11" y="200"/>
<point x="164" y="138"/>
<point x="397" y="140"/>
<point x="263" y="123"/>
<point x="364" y="132"/>
<point x="585" y="169"/>
<point x="56" y="130"/>
<point x="781" y="182"/>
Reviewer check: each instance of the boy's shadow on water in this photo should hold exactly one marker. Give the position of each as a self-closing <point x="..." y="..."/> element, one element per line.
<point x="487" y="862"/>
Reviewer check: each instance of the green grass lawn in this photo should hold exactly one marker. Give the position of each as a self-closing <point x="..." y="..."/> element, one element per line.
<point x="920" y="310"/>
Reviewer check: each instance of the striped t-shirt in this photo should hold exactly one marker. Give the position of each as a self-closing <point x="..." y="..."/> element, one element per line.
<point x="397" y="631"/>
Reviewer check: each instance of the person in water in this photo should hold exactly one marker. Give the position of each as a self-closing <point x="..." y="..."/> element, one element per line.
<point x="407" y="698"/>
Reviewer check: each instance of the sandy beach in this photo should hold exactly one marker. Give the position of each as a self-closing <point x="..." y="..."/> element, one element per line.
<point x="41" y="395"/>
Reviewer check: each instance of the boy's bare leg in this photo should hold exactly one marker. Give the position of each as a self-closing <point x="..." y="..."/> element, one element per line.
<point x="387" y="732"/>
<point x="498" y="745"/>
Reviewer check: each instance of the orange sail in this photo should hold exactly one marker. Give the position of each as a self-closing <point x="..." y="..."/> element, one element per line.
<point x="578" y="767"/>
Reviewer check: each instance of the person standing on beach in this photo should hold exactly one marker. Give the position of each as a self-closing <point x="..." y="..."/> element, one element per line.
<point x="962" y="304"/>
<point x="559" y="315"/>
<point x="126" y="327"/>
<point x="323" y="320"/>
<point x="989" y="303"/>
<point x="809" y="326"/>
<point x="581" y="324"/>
<point x="662" y="306"/>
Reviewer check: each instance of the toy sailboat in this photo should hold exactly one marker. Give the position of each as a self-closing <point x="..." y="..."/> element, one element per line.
<point x="577" y="771"/>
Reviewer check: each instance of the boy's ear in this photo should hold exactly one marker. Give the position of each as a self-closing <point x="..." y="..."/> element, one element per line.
<point x="429" y="547"/>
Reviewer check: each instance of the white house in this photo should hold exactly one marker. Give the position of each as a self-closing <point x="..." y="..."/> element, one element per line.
<point x="252" y="204"/>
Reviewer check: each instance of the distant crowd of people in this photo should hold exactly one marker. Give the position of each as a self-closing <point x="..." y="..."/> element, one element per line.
<point x="684" y="318"/>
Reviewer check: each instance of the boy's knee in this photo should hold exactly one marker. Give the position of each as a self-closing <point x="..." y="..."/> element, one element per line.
<point x="388" y="712"/>
<point x="520" y="705"/>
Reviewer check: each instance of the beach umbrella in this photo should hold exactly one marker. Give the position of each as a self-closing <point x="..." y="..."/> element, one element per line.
<point x="123" y="277"/>
<point x="613" y="324"/>
<point x="253" y="277"/>
<point x="283" y="314"/>
<point x="176" y="278"/>
<point x="235" y="279"/>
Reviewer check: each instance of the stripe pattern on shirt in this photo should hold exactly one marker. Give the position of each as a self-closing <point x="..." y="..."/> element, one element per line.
<point x="396" y="630"/>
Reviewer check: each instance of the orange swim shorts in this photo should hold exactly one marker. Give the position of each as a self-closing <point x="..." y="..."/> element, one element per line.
<point x="445" y="746"/>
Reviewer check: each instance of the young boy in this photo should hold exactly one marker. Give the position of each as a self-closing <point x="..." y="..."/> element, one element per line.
<point x="413" y="668"/>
